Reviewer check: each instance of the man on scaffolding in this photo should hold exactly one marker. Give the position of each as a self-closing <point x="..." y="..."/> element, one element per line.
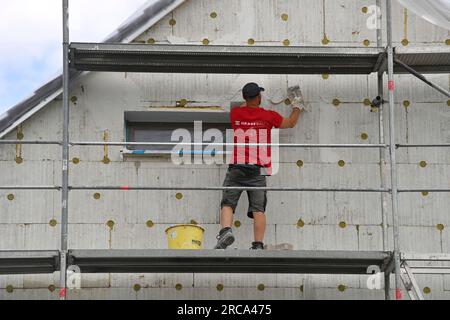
<point x="252" y="124"/>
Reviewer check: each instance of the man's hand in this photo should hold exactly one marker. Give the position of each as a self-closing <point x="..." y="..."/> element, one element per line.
<point x="297" y="104"/>
<point x="298" y="101"/>
<point x="298" y="107"/>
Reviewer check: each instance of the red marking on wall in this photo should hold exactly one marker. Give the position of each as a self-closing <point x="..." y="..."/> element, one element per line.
<point x="391" y="85"/>
<point x="62" y="293"/>
<point x="398" y="294"/>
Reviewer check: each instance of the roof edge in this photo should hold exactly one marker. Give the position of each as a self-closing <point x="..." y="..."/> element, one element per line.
<point x="127" y="32"/>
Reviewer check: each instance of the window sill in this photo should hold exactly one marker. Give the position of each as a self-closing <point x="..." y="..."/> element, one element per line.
<point x="164" y="153"/>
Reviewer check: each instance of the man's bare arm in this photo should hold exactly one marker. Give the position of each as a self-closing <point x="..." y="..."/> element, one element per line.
<point x="291" y="122"/>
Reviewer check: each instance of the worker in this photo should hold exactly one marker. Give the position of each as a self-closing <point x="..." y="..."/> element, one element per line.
<point x="245" y="169"/>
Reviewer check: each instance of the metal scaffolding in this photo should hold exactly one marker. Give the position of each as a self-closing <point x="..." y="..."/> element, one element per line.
<point x="233" y="261"/>
<point x="198" y="261"/>
<point x="236" y="59"/>
<point x="422" y="264"/>
<point x="224" y="59"/>
<point x="29" y="262"/>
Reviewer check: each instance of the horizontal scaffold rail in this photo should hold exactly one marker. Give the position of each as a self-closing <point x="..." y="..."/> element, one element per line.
<point x="227" y="261"/>
<point x="28" y="262"/>
<point x="442" y="145"/>
<point x="30" y="187"/>
<point x="279" y="145"/>
<point x="424" y="190"/>
<point x="5" y="142"/>
<point x="181" y="188"/>
<point x="200" y="144"/>
<point x="224" y="59"/>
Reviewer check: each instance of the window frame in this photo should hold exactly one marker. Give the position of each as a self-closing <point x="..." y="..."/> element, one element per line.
<point x="134" y="120"/>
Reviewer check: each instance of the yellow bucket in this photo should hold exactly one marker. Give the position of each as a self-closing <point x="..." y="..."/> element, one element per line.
<point x="185" y="236"/>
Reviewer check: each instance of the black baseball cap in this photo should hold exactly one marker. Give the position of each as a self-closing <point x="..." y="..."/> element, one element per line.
<point x="251" y="90"/>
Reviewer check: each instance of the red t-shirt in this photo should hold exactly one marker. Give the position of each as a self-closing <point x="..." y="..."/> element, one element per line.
<point x="253" y="125"/>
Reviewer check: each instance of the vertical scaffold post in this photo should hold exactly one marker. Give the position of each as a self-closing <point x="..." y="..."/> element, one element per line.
<point x="383" y="173"/>
<point x="394" y="187"/>
<point x="65" y="153"/>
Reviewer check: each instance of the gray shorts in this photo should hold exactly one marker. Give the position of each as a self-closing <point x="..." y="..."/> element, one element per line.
<point x="245" y="176"/>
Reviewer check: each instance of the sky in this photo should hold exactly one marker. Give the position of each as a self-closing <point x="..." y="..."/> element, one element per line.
<point x="31" y="37"/>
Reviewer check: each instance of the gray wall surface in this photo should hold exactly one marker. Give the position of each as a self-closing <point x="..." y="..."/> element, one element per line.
<point x="422" y="116"/>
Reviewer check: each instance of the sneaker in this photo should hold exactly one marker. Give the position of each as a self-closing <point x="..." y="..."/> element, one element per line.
<point x="224" y="239"/>
<point x="257" y="246"/>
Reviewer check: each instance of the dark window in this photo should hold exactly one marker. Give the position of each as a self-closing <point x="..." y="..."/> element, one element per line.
<point x="148" y="127"/>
